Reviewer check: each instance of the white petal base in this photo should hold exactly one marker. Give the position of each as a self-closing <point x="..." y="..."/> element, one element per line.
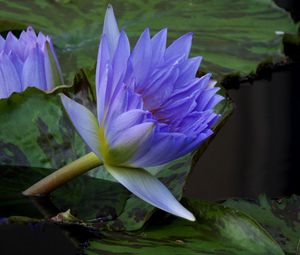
<point x="150" y="189"/>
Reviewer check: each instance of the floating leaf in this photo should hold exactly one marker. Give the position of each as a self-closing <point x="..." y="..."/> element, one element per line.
<point x="36" y="132"/>
<point x="280" y="217"/>
<point x="233" y="36"/>
<point x="218" y="230"/>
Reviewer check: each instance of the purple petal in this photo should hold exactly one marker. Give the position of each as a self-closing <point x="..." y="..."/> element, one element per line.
<point x="128" y="142"/>
<point x="15" y="59"/>
<point x="84" y="122"/>
<point x="180" y="47"/>
<point x="150" y="189"/>
<point x="125" y="121"/>
<point x="9" y="77"/>
<point x="214" y="101"/>
<point x="205" y="97"/>
<point x="31" y="35"/>
<point x="102" y="70"/>
<point x="158" y="43"/>
<point x="2" y="43"/>
<point x="161" y="88"/>
<point x="135" y="101"/>
<point x="195" y="142"/>
<point x="33" y="74"/>
<point x="52" y="69"/>
<point x="11" y="43"/>
<point x="110" y="29"/>
<point x="27" y="41"/>
<point x="118" y="105"/>
<point x="165" y="147"/>
<point x="188" y="70"/>
<point x="141" y="59"/>
<point x="119" y="64"/>
<point x="176" y="109"/>
<point x="42" y="39"/>
<point x="197" y="125"/>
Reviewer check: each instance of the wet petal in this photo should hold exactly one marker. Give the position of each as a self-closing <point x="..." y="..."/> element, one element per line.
<point x="150" y="189"/>
<point x="84" y="122"/>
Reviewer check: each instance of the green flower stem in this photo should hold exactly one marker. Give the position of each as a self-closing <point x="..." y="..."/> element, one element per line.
<point x="63" y="175"/>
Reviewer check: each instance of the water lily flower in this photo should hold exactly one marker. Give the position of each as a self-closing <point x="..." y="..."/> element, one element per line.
<point x="151" y="109"/>
<point x="29" y="61"/>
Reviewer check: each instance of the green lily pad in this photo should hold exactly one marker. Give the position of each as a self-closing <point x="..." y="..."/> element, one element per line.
<point x="218" y="230"/>
<point x="233" y="36"/>
<point x="36" y="132"/>
<point x="280" y="217"/>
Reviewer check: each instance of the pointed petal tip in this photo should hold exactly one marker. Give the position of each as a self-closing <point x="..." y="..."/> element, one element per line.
<point x="109" y="14"/>
<point x="189" y="216"/>
<point x="150" y="189"/>
<point x="30" y="29"/>
<point x="111" y="29"/>
<point x="147" y="31"/>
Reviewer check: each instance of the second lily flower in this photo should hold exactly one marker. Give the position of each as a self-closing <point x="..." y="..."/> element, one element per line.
<point x="151" y="109"/>
<point x="28" y="61"/>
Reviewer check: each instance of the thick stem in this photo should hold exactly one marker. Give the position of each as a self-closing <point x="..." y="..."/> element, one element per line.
<point x="63" y="175"/>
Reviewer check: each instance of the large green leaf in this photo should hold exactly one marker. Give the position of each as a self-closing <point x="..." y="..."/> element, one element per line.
<point x="218" y="230"/>
<point x="36" y="132"/>
<point x="233" y="36"/>
<point x="280" y="217"/>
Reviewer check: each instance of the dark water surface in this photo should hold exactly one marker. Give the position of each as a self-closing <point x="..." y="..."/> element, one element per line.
<point x="257" y="151"/>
